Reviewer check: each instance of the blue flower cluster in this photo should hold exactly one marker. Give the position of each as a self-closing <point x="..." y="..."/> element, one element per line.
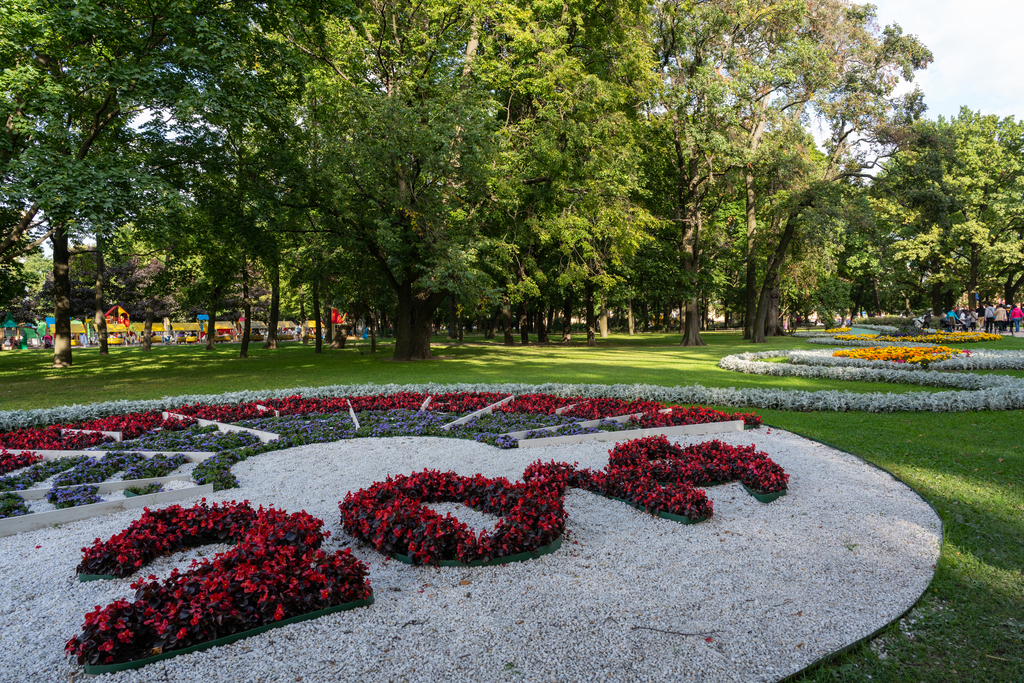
<point x="74" y="496"/>
<point x="11" y="505"/>
<point x="41" y="471"/>
<point x="191" y="440"/>
<point x="157" y="466"/>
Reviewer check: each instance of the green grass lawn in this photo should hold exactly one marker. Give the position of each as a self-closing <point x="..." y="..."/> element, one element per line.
<point x="970" y="624"/>
<point x="28" y="381"/>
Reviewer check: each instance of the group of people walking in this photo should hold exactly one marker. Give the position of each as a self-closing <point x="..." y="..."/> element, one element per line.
<point x="995" y="318"/>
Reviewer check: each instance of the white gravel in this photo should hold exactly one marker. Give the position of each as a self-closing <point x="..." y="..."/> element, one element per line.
<point x="774" y="586"/>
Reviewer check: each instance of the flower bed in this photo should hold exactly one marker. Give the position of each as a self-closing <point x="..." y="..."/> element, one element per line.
<point x="15" y="461"/>
<point x="392" y="517"/>
<point x="922" y="356"/>
<point x="933" y="338"/>
<point x="275" y="572"/>
<point x="11" y="505"/>
<point x="662" y="478"/>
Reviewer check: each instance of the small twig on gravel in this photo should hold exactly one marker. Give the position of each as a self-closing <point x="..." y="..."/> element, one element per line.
<point x="678" y="633"/>
<point x="415" y="622"/>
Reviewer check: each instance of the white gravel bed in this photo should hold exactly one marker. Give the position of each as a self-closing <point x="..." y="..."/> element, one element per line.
<point x="773" y="586"/>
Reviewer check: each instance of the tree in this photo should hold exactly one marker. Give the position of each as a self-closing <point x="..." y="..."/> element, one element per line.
<point x="78" y="79"/>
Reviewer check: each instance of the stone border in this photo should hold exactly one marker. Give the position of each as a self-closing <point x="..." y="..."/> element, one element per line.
<point x="105" y="486"/>
<point x="265" y="437"/>
<point x="487" y="410"/>
<point x="41" y="520"/>
<point x="194" y="456"/>
<point x="116" y="436"/>
<point x="626" y="435"/>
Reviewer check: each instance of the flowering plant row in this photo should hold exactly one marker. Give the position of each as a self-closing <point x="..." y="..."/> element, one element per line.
<point x="275" y="571"/>
<point x="392" y="517"/>
<point x="11" y="505"/>
<point x="652" y="472"/>
<point x="932" y="338"/>
<point x="15" y="461"/>
<point x="88" y="434"/>
<point x="918" y="355"/>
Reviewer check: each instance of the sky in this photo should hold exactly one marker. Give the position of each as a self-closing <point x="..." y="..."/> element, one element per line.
<point x="978" y="48"/>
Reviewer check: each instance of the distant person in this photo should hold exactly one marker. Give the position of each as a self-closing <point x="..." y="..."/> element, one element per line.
<point x="1001" y="318"/>
<point x="1015" y="315"/>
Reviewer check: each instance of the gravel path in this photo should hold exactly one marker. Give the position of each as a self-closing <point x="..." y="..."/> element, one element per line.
<point x="774" y="587"/>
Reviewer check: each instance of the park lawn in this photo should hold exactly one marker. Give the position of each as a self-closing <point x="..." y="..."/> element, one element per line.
<point x="970" y="624"/>
<point x="28" y="381"/>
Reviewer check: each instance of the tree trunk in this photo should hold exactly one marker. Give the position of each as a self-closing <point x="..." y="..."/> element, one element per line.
<point x="524" y="325"/>
<point x="682" y="317"/>
<point x="246" y="311"/>
<point x="373" y="332"/>
<point x="603" y="319"/>
<point x="506" y="320"/>
<point x="453" y="322"/>
<point x="567" y="318"/>
<point x="317" y="339"/>
<point x="328" y="313"/>
<point x="414" y="325"/>
<point x="147" y="329"/>
<point x="61" y="298"/>
<point x="542" y="326"/>
<point x="629" y="319"/>
<point x="99" y="319"/>
<point x="302" y="313"/>
<point x="492" y="326"/>
<point x="588" y="300"/>
<point x="692" y="337"/>
<point x="275" y="307"/>
<point x="214" y="298"/>
<point x="774" y="266"/>
<point x="750" y="295"/>
<point x="773" y="327"/>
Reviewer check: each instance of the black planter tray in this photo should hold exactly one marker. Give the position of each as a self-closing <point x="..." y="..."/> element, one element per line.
<point x="518" y="557"/>
<point x="682" y="519"/>
<point x="96" y="669"/>
<point x="97" y="577"/>
<point x="765" y="497"/>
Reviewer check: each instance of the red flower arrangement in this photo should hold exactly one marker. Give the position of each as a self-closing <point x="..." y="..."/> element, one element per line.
<point x="391" y="516"/>
<point x="662" y="477"/>
<point x="10" y="461"/>
<point x="276" y="571"/>
<point x="134" y="425"/>
<point x="694" y="415"/>
<point x="160" y="532"/>
<point x="50" y="438"/>
<point x="708" y="463"/>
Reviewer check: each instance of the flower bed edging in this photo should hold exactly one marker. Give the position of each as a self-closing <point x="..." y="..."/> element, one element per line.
<point x="626" y="435"/>
<point x="764" y="497"/>
<point x="40" y="520"/>
<point x="495" y="561"/>
<point x="682" y="519"/>
<point x="97" y="669"/>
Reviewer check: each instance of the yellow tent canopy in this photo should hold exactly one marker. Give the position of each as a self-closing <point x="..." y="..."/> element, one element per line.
<point x="256" y="325"/>
<point x="185" y="327"/>
<point x="77" y="327"/>
<point x="116" y="327"/>
<point x="141" y="327"/>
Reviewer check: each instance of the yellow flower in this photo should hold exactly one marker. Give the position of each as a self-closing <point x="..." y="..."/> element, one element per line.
<point x="918" y="355"/>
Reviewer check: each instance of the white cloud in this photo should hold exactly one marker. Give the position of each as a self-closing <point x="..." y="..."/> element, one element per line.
<point x="978" y="50"/>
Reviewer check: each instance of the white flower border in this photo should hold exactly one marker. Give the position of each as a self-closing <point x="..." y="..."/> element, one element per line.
<point x="976" y="392"/>
<point x="978" y="360"/>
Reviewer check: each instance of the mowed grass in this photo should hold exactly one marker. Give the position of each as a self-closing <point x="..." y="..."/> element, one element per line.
<point x="28" y="381"/>
<point x="969" y="625"/>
